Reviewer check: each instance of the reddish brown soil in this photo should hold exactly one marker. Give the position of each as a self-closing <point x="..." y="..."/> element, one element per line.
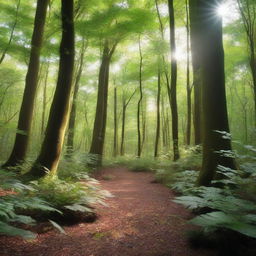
<point x="140" y="220"/>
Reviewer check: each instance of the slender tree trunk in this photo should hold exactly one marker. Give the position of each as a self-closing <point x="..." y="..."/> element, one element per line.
<point x="99" y="129"/>
<point x="26" y="111"/>
<point x="144" y="122"/>
<point x="44" y="99"/>
<point x="188" y="129"/>
<point x="12" y="33"/>
<point x="163" y="123"/>
<point x="197" y="80"/>
<point x="139" y="103"/>
<point x="72" y="118"/>
<point x="124" y="107"/>
<point x="49" y="156"/>
<point x="158" y="117"/>
<point x="173" y="94"/>
<point x="123" y="127"/>
<point x="115" y="123"/>
<point x="214" y="114"/>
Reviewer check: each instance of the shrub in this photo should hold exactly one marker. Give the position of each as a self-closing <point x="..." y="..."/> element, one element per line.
<point x="74" y="199"/>
<point x="16" y="197"/>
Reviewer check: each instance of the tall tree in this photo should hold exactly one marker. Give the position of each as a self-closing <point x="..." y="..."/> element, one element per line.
<point x="173" y="85"/>
<point x="26" y="111"/>
<point x="125" y="103"/>
<point x="188" y="86"/>
<point x="158" y="117"/>
<point x="100" y="120"/>
<point x="139" y="104"/>
<point x="115" y="124"/>
<point x="195" y="50"/>
<point x="214" y="109"/>
<point x="49" y="156"/>
<point x="115" y="24"/>
<point x="72" y="118"/>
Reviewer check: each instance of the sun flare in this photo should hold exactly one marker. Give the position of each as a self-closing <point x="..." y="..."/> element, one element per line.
<point x="222" y="10"/>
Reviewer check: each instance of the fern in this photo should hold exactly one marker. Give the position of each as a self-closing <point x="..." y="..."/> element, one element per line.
<point x="232" y="205"/>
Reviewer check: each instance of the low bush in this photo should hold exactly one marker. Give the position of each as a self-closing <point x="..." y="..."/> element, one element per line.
<point x="74" y="199"/>
<point x="16" y="197"/>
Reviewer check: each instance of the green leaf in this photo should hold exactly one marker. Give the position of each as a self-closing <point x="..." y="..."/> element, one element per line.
<point x="9" y="230"/>
<point x="58" y="227"/>
<point x="78" y="207"/>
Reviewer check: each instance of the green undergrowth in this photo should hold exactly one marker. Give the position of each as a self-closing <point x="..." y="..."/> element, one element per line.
<point x="163" y="165"/>
<point x="16" y="197"/>
<point x="226" y="210"/>
<point x="190" y="159"/>
<point x="68" y="198"/>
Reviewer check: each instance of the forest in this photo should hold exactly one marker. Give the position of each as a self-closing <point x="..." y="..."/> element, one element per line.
<point x="128" y="127"/>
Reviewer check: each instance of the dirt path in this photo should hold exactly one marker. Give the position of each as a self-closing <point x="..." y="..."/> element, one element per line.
<point x="141" y="220"/>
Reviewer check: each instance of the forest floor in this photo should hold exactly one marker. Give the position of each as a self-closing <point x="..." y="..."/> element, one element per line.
<point x="140" y="220"/>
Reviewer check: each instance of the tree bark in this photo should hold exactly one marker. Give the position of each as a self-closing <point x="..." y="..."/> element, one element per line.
<point x="197" y="80"/>
<point x="214" y="114"/>
<point x="139" y="103"/>
<point x="49" y="156"/>
<point x="124" y="107"/>
<point x="115" y="123"/>
<point x="26" y="111"/>
<point x="72" y="118"/>
<point x="188" y="87"/>
<point x="173" y="86"/>
<point x="99" y="129"/>
<point x="158" y="117"/>
<point x="44" y="103"/>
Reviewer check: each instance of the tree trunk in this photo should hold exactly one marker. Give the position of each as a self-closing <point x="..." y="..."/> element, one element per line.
<point x="124" y="107"/>
<point x="49" y="156"/>
<point x="26" y="111"/>
<point x="123" y="127"/>
<point x="144" y="123"/>
<point x="44" y="103"/>
<point x="197" y="80"/>
<point x="214" y="114"/>
<point x="99" y="129"/>
<point x="72" y="118"/>
<point x="173" y="94"/>
<point x="115" y="124"/>
<point x="139" y="103"/>
<point x="163" y="123"/>
<point x="158" y="115"/>
<point x="188" y="129"/>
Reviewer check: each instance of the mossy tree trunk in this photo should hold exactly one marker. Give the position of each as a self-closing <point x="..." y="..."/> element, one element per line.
<point x="20" y="147"/>
<point x="49" y="156"/>
<point x="214" y="109"/>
